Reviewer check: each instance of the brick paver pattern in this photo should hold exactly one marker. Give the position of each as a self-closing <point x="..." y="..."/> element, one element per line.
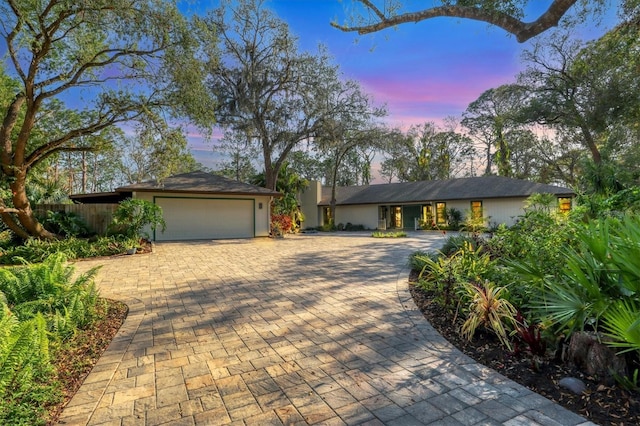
<point x="309" y="329"/>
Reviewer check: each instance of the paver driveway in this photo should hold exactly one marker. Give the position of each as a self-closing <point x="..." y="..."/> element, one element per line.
<point x="310" y="329"/>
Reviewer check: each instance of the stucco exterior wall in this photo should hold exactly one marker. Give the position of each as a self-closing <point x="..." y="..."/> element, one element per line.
<point x="308" y="201"/>
<point x="497" y="210"/>
<point x="505" y="210"/>
<point x="366" y="215"/>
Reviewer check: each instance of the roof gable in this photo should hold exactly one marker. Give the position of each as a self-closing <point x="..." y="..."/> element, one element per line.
<point x="201" y="183"/>
<point x="483" y="187"/>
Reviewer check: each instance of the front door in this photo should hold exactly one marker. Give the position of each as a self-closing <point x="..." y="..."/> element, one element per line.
<point x="411" y="216"/>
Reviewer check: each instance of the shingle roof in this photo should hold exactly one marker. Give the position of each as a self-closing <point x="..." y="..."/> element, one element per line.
<point x="440" y="190"/>
<point x="201" y="183"/>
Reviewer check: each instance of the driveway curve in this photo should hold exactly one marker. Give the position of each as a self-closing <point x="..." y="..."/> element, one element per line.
<point x="309" y="329"/>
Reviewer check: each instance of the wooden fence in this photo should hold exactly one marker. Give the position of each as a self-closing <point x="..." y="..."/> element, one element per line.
<point x="96" y="216"/>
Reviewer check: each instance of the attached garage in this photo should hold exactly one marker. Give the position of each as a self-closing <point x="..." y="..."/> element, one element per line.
<point x="203" y="206"/>
<point x="203" y="218"/>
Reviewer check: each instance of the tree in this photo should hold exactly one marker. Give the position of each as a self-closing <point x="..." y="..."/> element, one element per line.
<point x="154" y="153"/>
<point x="491" y="118"/>
<point x="427" y="153"/>
<point x="348" y="124"/>
<point x="265" y="89"/>
<point x="588" y="92"/>
<point x="241" y="154"/>
<point x="109" y="53"/>
<point x="375" y="16"/>
<point x="308" y="164"/>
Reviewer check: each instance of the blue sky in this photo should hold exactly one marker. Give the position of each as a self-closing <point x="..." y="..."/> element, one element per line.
<point x="422" y="72"/>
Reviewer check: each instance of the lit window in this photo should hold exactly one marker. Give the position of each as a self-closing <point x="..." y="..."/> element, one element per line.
<point x="564" y="204"/>
<point x="441" y="213"/>
<point x="476" y="209"/>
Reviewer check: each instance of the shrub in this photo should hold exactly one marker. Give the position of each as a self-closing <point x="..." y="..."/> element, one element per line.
<point x="133" y="215"/>
<point x="65" y="224"/>
<point x="34" y="250"/>
<point x="352" y="228"/>
<point x="385" y="234"/>
<point x="418" y="259"/>
<point x="598" y="283"/>
<point x="455" y="243"/>
<point x="47" y="306"/>
<point x="26" y="375"/>
<point x="454" y="218"/>
<point x="281" y="224"/>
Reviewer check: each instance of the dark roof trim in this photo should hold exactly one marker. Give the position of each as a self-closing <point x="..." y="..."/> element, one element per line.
<point x="199" y="182"/>
<point x="475" y="188"/>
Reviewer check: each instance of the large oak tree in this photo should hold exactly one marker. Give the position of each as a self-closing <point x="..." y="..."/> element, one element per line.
<point x="370" y="16"/>
<point x="267" y="91"/>
<point x="102" y="58"/>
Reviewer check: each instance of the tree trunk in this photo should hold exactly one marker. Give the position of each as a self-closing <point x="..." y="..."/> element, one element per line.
<point x="13" y="226"/>
<point x="591" y="144"/>
<point x="25" y="214"/>
<point x="84" y="172"/>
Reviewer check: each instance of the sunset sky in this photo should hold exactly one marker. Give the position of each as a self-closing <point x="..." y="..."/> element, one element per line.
<point x="422" y="72"/>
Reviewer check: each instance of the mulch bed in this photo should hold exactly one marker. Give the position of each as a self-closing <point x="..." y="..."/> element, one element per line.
<point x="76" y="362"/>
<point x="604" y="405"/>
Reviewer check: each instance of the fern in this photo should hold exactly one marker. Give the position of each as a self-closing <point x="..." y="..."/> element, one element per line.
<point x="49" y="289"/>
<point x="22" y="351"/>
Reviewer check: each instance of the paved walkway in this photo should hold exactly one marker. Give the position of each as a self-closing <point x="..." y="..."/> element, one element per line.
<point x="310" y="329"/>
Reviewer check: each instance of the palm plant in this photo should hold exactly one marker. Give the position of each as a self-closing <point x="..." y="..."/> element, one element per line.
<point x="622" y="324"/>
<point x="601" y="275"/>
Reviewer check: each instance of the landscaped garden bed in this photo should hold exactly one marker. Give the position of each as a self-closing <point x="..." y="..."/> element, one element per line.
<point x="552" y="303"/>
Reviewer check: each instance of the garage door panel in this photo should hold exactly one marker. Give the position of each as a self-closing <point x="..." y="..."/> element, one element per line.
<point x="191" y="219"/>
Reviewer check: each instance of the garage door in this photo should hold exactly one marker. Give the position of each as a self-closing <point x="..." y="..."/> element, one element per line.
<point x="199" y="219"/>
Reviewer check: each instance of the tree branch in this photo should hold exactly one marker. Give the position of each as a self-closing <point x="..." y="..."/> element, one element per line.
<point x="523" y="31"/>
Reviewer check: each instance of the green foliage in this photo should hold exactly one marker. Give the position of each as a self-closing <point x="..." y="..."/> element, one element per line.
<point x="621" y="321"/>
<point x="349" y="227"/>
<point x="34" y="250"/>
<point x="488" y="308"/>
<point x="631" y="382"/>
<point x="26" y="384"/>
<point x="385" y="234"/>
<point x="133" y="215"/>
<point x="417" y="259"/>
<point x="537" y="238"/>
<point x="48" y="289"/>
<point x="47" y="303"/>
<point x="598" y="278"/>
<point x="455" y="243"/>
<point x="439" y="275"/>
<point x="65" y="224"/>
<point x="454" y="218"/>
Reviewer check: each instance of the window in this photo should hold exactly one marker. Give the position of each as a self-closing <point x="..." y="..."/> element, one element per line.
<point x="476" y="210"/>
<point x="427" y="215"/>
<point x="441" y="213"/>
<point x="326" y="215"/>
<point x="396" y="217"/>
<point x="564" y="204"/>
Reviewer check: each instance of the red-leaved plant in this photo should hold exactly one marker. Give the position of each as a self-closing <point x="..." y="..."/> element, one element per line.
<point x="281" y="224"/>
<point x="530" y="334"/>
